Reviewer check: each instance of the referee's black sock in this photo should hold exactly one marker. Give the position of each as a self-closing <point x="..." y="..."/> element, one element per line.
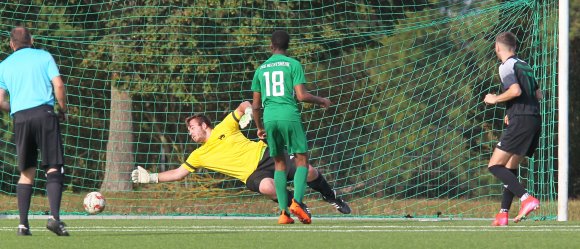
<point x="508" y="179"/>
<point x="507" y="195"/>
<point x="321" y="185"/>
<point x="24" y="195"/>
<point x="54" y="183"/>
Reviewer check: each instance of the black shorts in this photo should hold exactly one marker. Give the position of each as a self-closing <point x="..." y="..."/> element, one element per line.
<point x="37" y="129"/>
<point x="266" y="168"/>
<point x="522" y="135"/>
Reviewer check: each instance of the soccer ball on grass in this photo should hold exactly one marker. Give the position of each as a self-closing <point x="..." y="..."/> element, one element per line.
<point x="94" y="203"/>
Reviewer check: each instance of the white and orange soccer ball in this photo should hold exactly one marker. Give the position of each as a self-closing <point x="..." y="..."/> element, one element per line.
<point x="94" y="203"/>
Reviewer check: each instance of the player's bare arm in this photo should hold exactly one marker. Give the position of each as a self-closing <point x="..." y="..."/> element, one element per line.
<point x="257" y="113"/>
<point x="539" y="94"/>
<point x="173" y="175"/>
<point x="241" y="110"/>
<point x="59" y="93"/>
<point x="244" y="112"/>
<point x="4" y="105"/>
<point x="304" y="96"/>
<point x="141" y="175"/>
<point x="512" y="92"/>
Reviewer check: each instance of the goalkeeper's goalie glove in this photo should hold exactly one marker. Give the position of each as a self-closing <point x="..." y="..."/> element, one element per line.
<point x="141" y="175"/>
<point x="246" y="118"/>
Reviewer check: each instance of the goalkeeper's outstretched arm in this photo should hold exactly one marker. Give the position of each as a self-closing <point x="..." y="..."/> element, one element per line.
<point x="141" y="175"/>
<point x="241" y="110"/>
<point x="244" y="111"/>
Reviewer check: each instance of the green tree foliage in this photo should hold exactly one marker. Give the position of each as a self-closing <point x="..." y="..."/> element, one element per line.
<point x="574" y="97"/>
<point x="433" y="144"/>
<point x="407" y="81"/>
<point x="166" y="54"/>
<point x="56" y="28"/>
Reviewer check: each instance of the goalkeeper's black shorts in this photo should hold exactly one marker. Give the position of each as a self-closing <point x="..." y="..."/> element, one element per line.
<point x="266" y="169"/>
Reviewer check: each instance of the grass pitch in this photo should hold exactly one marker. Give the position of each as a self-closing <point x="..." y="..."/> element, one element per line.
<point x="265" y="233"/>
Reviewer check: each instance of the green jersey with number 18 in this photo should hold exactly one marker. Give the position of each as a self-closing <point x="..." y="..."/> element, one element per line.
<point x="275" y="80"/>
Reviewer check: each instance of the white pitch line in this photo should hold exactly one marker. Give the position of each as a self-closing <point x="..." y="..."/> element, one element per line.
<point x="310" y="230"/>
<point x="229" y="217"/>
<point x="310" y="226"/>
<point x="313" y="226"/>
<point x="322" y="229"/>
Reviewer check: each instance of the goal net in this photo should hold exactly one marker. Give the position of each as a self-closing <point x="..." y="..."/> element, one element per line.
<point x="408" y="134"/>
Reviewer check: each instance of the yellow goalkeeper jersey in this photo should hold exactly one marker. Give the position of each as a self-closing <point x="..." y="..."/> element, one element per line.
<point x="227" y="151"/>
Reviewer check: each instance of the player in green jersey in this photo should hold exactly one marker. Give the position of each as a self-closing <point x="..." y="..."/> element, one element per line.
<point x="277" y="84"/>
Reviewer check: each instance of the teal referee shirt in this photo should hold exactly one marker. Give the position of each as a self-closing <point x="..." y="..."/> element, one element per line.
<point x="26" y="74"/>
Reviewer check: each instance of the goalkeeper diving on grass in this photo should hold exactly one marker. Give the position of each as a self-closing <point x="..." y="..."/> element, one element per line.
<point x="226" y="150"/>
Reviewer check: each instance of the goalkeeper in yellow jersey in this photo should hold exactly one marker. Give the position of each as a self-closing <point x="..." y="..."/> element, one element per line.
<point x="226" y="150"/>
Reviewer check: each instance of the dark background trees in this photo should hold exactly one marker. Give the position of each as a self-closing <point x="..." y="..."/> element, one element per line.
<point x="143" y="66"/>
<point x="574" y="84"/>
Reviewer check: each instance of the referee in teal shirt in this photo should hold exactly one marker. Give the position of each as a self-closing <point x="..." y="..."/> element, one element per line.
<point x="32" y="80"/>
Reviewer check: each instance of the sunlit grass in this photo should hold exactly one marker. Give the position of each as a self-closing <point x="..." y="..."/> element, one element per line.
<point x="142" y="203"/>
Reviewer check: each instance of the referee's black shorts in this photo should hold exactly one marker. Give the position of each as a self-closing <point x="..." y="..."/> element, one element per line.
<point x="37" y="129"/>
<point x="266" y="170"/>
<point x="522" y="135"/>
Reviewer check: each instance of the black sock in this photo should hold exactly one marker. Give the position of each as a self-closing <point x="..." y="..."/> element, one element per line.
<point x="507" y="195"/>
<point x="508" y="178"/>
<point x="321" y="185"/>
<point x="24" y="195"/>
<point x="290" y="197"/>
<point x="54" y="183"/>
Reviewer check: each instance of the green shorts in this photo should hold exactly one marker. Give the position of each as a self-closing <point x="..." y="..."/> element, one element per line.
<point x="285" y="135"/>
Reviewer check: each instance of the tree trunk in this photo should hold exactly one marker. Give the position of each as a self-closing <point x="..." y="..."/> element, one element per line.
<point x="120" y="143"/>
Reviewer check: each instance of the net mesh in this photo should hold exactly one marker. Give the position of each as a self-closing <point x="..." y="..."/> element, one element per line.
<point x="408" y="134"/>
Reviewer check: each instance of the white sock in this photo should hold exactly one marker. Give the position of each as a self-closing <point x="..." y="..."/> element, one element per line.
<point x="524" y="197"/>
